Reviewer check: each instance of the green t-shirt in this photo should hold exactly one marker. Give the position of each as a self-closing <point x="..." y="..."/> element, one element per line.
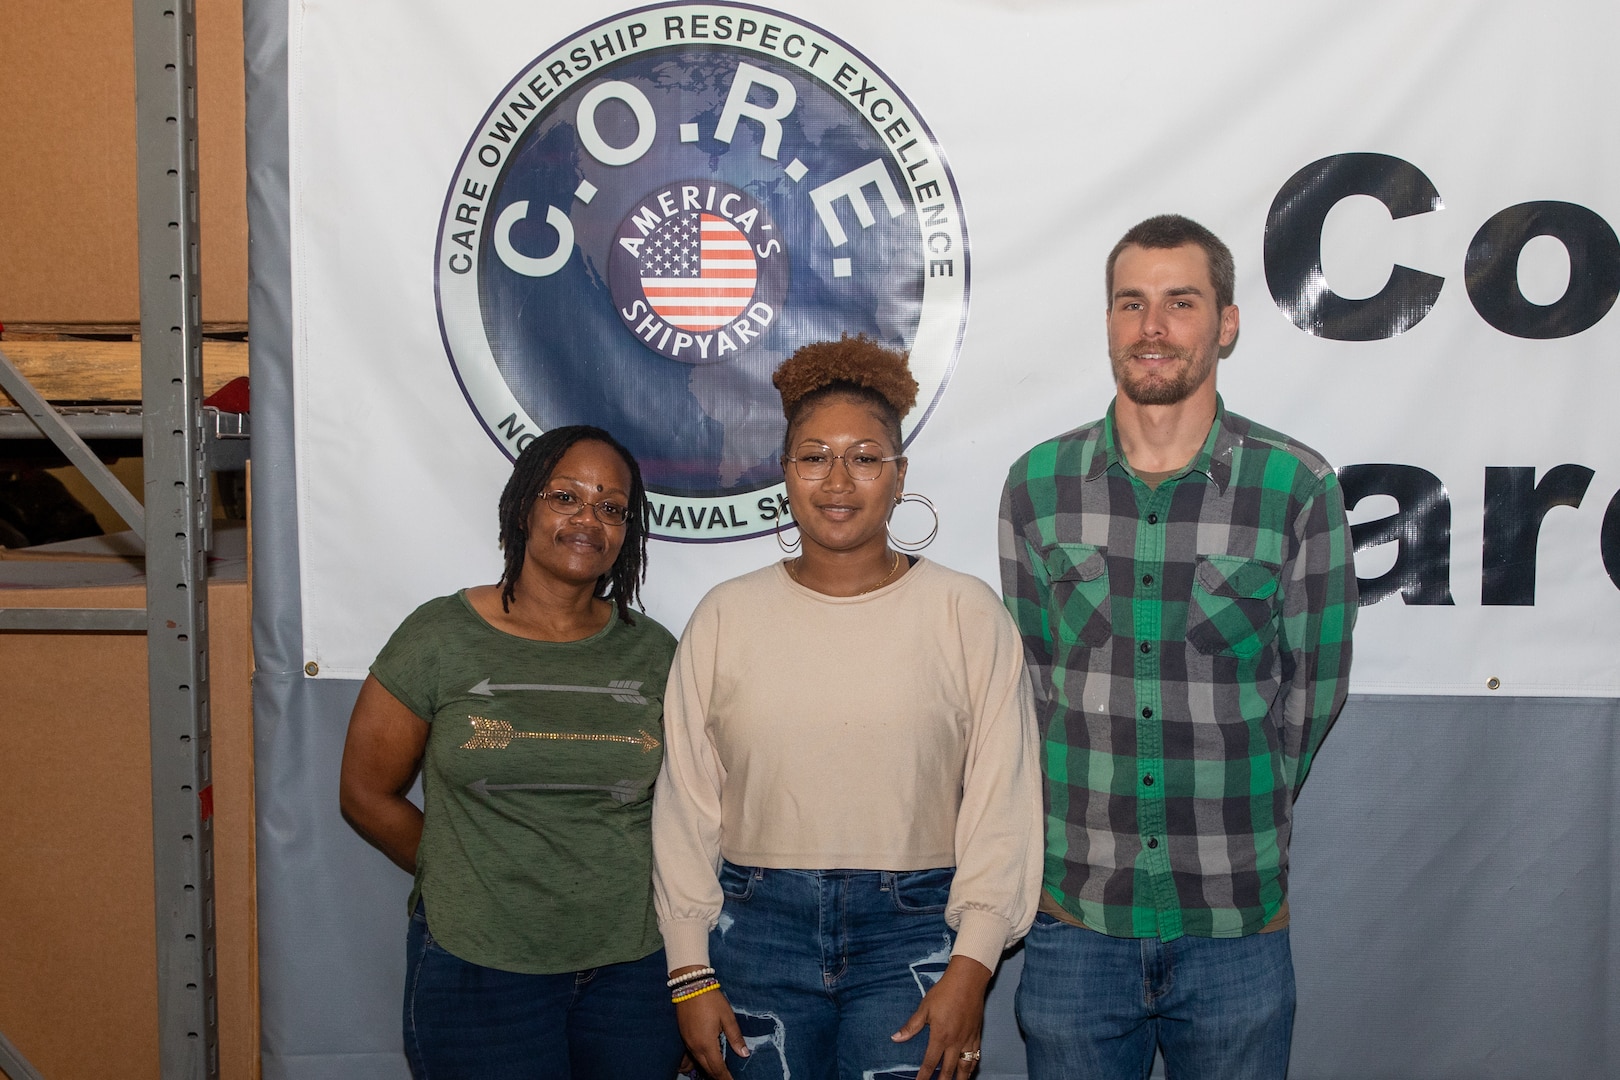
<point x="536" y="851"/>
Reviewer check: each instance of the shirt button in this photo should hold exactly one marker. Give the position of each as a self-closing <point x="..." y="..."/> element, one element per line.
<point x="1153" y="841"/>
<point x="1148" y="779"/>
<point x="1147" y="579"/>
<point x="1153" y="519"/>
<point x="1147" y="712"/>
<point x="1147" y="648"/>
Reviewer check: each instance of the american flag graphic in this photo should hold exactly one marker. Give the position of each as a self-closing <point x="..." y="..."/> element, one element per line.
<point x="698" y="271"/>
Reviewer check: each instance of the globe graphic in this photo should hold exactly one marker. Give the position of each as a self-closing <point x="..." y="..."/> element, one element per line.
<point x="560" y="343"/>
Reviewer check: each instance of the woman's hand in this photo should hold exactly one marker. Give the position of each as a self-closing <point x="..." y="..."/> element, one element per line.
<point x="953" y="1012"/>
<point x="703" y="1020"/>
<point x="381" y="754"/>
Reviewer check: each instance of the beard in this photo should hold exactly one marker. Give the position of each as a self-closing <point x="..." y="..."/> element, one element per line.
<point x="1162" y="388"/>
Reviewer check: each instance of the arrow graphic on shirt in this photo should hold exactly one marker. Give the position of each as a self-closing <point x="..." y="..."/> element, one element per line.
<point x="620" y="689"/>
<point x="498" y="735"/>
<point x="622" y="792"/>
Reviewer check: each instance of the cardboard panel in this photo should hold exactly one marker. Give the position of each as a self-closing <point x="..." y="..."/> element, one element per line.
<point x="68" y="244"/>
<point x="78" y="987"/>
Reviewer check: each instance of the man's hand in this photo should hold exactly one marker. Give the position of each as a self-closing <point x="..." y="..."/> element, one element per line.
<point x="953" y="1012"/>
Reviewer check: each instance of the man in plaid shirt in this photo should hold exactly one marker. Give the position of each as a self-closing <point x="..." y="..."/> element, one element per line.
<point x="1183" y="581"/>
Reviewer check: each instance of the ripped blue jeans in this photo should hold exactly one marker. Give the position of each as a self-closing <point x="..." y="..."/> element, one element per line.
<point x="822" y="966"/>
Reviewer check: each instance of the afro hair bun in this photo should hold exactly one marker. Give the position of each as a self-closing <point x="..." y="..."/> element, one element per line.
<point x="857" y="360"/>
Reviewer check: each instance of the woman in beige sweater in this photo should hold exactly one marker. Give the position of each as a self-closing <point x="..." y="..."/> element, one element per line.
<point x="846" y="830"/>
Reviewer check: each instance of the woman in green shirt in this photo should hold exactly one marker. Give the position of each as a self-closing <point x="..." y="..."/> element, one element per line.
<point x="533" y="709"/>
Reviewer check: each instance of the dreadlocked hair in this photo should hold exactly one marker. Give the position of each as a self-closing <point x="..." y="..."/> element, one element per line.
<point x="530" y="475"/>
<point x="854" y="367"/>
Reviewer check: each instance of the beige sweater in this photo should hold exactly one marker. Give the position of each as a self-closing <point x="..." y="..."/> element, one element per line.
<point x="890" y="731"/>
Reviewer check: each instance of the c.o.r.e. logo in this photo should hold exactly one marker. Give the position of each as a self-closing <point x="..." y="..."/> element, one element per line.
<point x="659" y="210"/>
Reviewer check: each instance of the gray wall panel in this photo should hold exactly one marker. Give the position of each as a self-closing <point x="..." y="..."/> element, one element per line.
<point x="331" y="908"/>
<point x="277" y="619"/>
<point x="1454" y="891"/>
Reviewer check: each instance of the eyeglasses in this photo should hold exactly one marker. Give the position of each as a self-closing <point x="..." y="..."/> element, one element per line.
<point x="863" y="461"/>
<point x="567" y="504"/>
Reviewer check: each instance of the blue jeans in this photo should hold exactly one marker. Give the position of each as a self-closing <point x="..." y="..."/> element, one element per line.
<point x="468" y="1022"/>
<point x="1096" y="1007"/>
<point x="822" y="966"/>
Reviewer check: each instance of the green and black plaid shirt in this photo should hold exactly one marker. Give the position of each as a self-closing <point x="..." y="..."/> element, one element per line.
<point x="1190" y="647"/>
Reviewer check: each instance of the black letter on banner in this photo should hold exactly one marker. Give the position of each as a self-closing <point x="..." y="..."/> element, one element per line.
<point x="1514" y="507"/>
<point x="1491" y="269"/>
<point x="1609" y="540"/>
<point x="1293" y="248"/>
<point x="1421" y="527"/>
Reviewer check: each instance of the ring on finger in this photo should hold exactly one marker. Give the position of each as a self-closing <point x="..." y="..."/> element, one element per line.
<point x="970" y="1055"/>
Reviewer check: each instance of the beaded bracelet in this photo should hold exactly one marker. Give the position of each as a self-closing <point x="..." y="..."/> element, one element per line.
<point x="692" y="986"/>
<point x="691" y="976"/>
<point x="687" y="993"/>
<point x="696" y="993"/>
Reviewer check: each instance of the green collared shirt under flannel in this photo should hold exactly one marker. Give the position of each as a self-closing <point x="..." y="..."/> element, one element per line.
<point x="1190" y="647"/>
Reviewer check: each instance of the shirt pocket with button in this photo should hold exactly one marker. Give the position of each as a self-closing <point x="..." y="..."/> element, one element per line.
<point x="1235" y="605"/>
<point x="1079" y="604"/>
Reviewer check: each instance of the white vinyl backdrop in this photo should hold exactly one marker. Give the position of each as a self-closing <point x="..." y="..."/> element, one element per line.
<point x="1064" y="123"/>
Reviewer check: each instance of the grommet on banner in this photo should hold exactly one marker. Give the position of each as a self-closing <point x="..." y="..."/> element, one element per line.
<point x="312" y="668"/>
<point x="1493" y="683"/>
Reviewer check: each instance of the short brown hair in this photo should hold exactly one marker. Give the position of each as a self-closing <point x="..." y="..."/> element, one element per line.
<point x="1173" y="231"/>
<point x="856" y="367"/>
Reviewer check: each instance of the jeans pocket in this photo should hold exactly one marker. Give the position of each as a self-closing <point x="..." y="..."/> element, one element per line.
<point x="737" y="882"/>
<point x="922" y="892"/>
<point x="424" y="934"/>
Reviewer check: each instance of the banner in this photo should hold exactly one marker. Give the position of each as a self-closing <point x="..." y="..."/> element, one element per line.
<point x="508" y="217"/>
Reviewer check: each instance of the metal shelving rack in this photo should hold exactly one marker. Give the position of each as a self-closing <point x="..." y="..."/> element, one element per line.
<point x="174" y="522"/>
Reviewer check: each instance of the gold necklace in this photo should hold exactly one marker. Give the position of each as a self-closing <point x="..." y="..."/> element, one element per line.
<point x="894" y="568"/>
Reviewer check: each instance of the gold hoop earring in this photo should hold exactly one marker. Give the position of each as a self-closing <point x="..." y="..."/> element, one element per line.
<point x="916" y="545"/>
<point x="788" y="549"/>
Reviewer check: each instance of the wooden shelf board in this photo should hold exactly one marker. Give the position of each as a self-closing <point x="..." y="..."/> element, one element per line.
<point x="107" y="371"/>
